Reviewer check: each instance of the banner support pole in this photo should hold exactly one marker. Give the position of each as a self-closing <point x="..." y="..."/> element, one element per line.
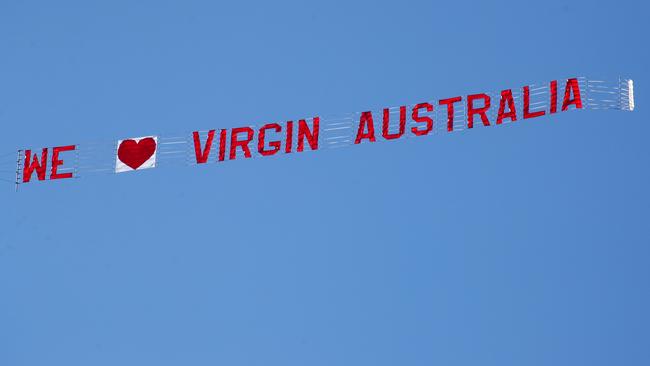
<point x="18" y="169"/>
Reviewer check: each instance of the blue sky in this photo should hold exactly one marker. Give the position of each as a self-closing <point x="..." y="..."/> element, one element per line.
<point x="524" y="244"/>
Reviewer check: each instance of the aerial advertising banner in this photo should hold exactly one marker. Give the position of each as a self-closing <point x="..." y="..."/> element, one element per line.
<point x="449" y="114"/>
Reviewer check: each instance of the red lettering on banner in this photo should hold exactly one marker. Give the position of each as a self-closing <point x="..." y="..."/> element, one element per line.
<point x="262" y="137"/>
<point x="553" y="93"/>
<point x="288" y="145"/>
<point x="506" y="96"/>
<point x="56" y="162"/>
<point x="416" y="117"/>
<point x="32" y="163"/>
<point x="365" y="121"/>
<point x="449" y="102"/>
<point x="571" y="86"/>
<point x="386" y="124"/>
<point x="235" y="142"/>
<point x="202" y="156"/>
<point x="312" y="136"/>
<point x="527" y="113"/>
<point x="471" y="110"/>
<point x="222" y="144"/>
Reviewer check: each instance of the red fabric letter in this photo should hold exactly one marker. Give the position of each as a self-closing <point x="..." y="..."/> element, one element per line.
<point x="571" y="86"/>
<point x="553" y="96"/>
<point x="416" y="117"/>
<point x="234" y="142"/>
<point x="527" y="113"/>
<point x="262" y="136"/>
<point x="471" y="111"/>
<point x="56" y="162"/>
<point x="365" y="120"/>
<point x="450" y="110"/>
<point x="312" y="136"/>
<point x="288" y="144"/>
<point x="202" y="157"/>
<point x="506" y="95"/>
<point x="40" y="167"/>
<point x="222" y="144"/>
<point x="386" y="123"/>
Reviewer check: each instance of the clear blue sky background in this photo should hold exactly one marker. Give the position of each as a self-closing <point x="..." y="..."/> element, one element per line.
<point x="521" y="245"/>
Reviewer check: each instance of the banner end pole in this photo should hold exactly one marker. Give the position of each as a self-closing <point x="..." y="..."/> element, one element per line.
<point x="18" y="169"/>
<point x="630" y="94"/>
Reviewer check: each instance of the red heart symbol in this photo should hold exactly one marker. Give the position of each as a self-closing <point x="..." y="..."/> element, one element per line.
<point x="134" y="153"/>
